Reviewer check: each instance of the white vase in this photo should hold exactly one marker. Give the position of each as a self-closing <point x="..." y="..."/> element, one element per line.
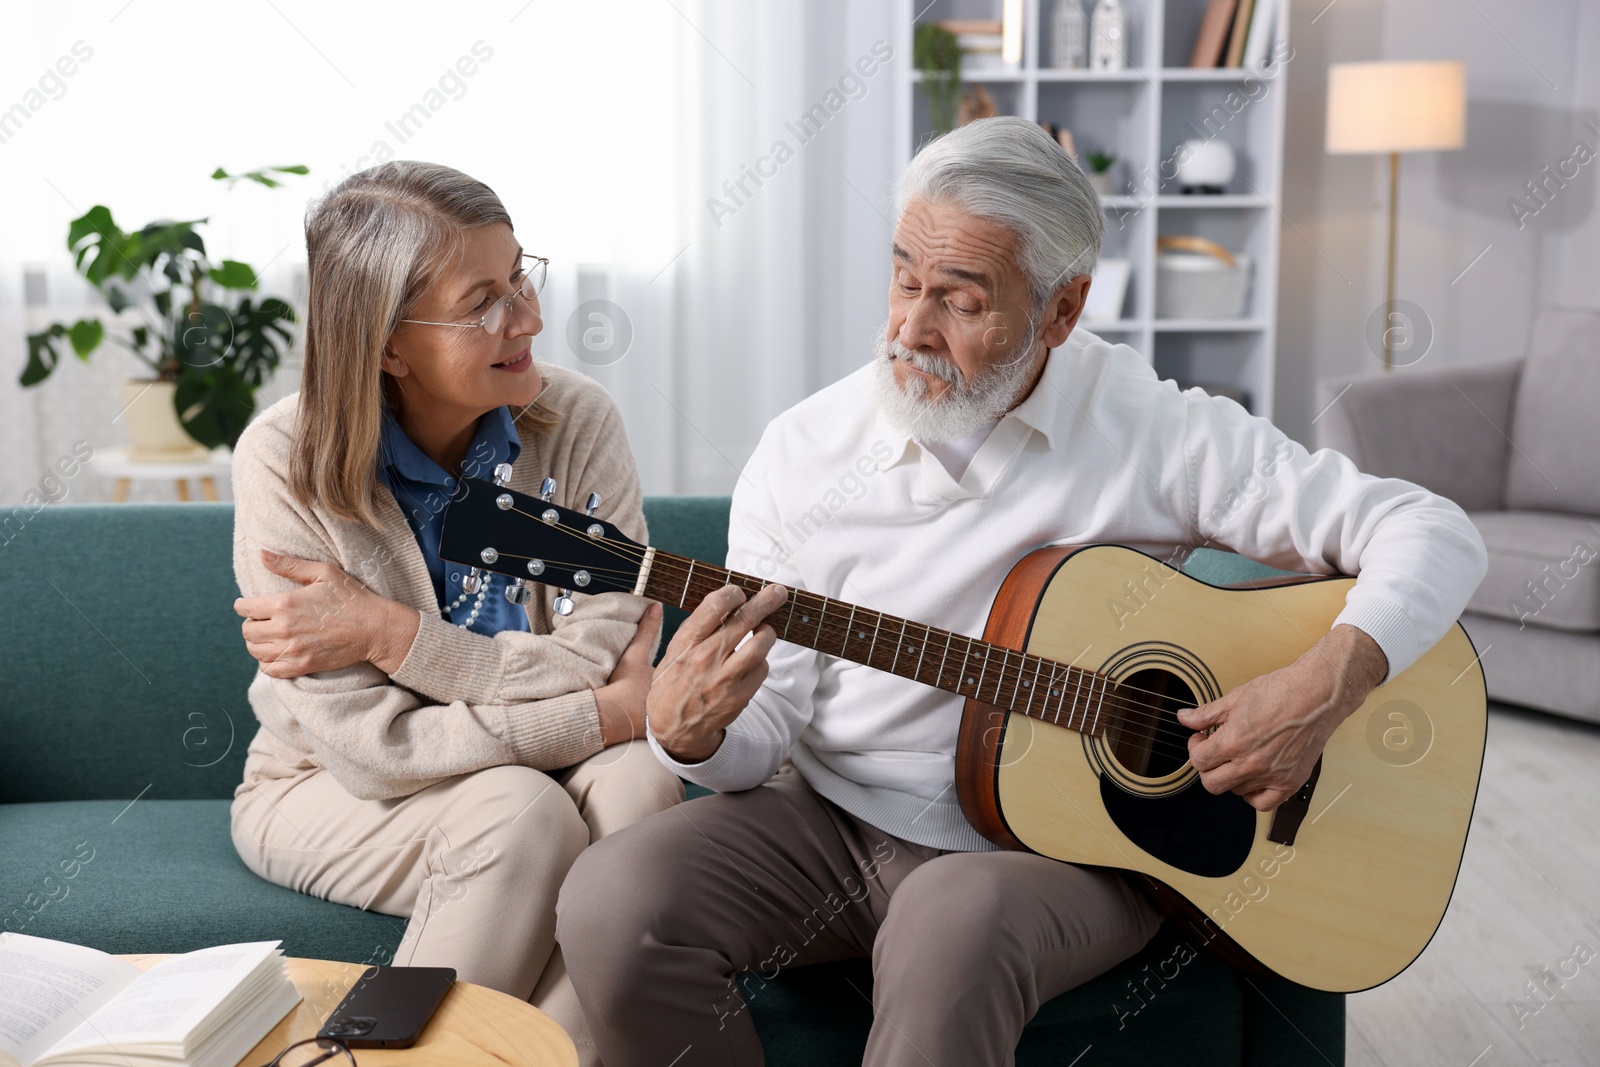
<point x="154" y="432"/>
<point x="1100" y="180"/>
<point x="1108" y="37"/>
<point x="1068" y="36"/>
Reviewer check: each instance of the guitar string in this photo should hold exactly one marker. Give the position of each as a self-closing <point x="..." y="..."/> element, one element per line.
<point x="1137" y="712"/>
<point x="1164" y="742"/>
<point x="635" y="555"/>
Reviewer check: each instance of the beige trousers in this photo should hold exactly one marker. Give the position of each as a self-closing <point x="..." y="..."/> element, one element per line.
<point x="474" y="863"/>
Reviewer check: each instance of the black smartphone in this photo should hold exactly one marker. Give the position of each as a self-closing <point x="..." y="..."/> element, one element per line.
<point x="388" y="1006"/>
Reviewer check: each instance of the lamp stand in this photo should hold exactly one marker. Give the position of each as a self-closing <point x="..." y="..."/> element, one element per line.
<point x="1388" y="288"/>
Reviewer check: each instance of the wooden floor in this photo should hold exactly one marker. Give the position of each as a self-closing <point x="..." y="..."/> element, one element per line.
<point x="1528" y="899"/>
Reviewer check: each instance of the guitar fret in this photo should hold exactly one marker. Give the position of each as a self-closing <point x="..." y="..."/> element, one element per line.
<point x="683" y="601"/>
<point x="845" y="647"/>
<point x="1105" y="684"/>
<point x="1038" y="665"/>
<point x="938" y="678"/>
<point x="1089" y="698"/>
<point x="1057" y="693"/>
<point x="873" y="649"/>
<point x="922" y="648"/>
<point x="1000" y="676"/>
<point x="979" y="684"/>
<point x="1072" y="709"/>
<point x="897" y="648"/>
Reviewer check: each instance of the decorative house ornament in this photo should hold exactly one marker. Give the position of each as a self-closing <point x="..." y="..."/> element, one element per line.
<point x="1069" y="36"/>
<point x="1109" y="36"/>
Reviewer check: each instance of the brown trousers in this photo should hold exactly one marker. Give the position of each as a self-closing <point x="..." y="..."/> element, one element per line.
<point x="655" y="922"/>
<point x="474" y="863"/>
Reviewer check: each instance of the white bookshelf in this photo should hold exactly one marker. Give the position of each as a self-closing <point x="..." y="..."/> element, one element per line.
<point x="1142" y="114"/>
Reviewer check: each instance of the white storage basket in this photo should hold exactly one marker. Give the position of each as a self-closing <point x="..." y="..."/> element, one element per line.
<point x="1199" y="279"/>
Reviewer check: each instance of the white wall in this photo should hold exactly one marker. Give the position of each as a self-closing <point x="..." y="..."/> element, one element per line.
<point x="1532" y="81"/>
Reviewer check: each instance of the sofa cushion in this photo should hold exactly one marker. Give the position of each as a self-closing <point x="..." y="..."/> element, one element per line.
<point x="1555" y="465"/>
<point x="162" y="876"/>
<point x="135" y="671"/>
<point x="1544" y="569"/>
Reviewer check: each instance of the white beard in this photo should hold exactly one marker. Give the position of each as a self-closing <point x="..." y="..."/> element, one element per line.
<point x="964" y="407"/>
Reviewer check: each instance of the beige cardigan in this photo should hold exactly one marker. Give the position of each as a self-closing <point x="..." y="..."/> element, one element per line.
<point x="460" y="701"/>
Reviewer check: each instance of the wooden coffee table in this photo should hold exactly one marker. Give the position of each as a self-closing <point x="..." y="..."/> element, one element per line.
<point x="475" y="1025"/>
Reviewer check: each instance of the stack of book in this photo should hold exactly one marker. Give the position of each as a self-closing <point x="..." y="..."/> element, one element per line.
<point x="63" y="1004"/>
<point x="981" y="42"/>
<point x="1237" y="33"/>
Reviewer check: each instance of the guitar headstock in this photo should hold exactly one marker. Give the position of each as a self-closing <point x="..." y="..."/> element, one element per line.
<point x="520" y="536"/>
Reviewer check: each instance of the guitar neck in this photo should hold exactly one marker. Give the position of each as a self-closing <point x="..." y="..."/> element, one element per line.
<point x="1016" y="681"/>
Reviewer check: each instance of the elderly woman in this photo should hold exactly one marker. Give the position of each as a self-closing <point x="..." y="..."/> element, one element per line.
<point x="428" y="749"/>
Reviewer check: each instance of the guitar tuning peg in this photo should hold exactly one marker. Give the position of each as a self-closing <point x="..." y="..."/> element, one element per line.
<point x="502" y="475"/>
<point x="548" y="489"/>
<point x="473" y="581"/>
<point x="564" y="602"/>
<point x="518" y="592"/>
<point x="594" y="502"/>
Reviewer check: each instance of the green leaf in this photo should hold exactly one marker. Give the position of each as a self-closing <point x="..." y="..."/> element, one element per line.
<point x="101" y="249"/>
<point x="203" y="338"/>
<point x="214" y="404"/>
<point x="234" y="275"/>
<point x="96" y="220"/>
<point x="86" y="335"/>
<point x="219" y="173"/>
<point x="298" y="168"/>
<point x="42" y="355"/>
<point x="117" y="298"/>
<point x="163" y="302"/>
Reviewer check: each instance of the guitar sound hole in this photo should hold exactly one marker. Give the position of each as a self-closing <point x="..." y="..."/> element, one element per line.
<point x="1148" y="740"/>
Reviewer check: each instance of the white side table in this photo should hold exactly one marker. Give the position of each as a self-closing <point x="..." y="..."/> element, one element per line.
<point x="116" y="463"/>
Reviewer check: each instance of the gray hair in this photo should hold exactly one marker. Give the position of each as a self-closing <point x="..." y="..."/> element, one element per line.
<point x="1012" y="173"/>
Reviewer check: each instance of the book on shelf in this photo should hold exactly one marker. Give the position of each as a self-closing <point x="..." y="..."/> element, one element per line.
<point x="1235" y="33"/>
<point x="1236" y="36"/>
<point x="1213" y="34"/>
<point x="64" y="1005"/>
<point x="1263" y="25"/>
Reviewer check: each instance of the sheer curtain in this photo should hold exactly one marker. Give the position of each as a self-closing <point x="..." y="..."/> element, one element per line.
<point x="625" y="136"/>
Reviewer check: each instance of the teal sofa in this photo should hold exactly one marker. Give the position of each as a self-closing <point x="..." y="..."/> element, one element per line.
<point x="123" y="727"/>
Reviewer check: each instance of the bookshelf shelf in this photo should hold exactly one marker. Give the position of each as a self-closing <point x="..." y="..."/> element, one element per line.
<point x="1142" y="114"/>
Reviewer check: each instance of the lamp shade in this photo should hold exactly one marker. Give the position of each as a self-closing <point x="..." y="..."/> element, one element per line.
<point x="1397" y="107"/>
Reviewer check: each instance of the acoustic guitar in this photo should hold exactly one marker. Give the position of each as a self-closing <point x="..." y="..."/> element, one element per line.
<point x="1069" y="742"/>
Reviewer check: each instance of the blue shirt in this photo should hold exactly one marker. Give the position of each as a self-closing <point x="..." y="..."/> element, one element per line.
<point x="423" y="488"/>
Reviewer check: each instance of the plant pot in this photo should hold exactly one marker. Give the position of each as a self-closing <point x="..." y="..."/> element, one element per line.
<point x="154" y="432"/>
<point x="1100" y="180"/>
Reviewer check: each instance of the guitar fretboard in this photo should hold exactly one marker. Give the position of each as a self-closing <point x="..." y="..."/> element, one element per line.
<point x="1030" y="685"/>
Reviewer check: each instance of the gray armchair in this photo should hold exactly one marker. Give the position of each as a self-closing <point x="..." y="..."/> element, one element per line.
<point x="1517" y="445"/>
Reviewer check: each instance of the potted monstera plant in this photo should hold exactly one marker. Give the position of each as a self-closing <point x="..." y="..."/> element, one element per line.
<point x="208" y="339"/>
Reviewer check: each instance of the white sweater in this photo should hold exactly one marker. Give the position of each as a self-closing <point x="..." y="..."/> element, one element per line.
<point x="835" y="502"/>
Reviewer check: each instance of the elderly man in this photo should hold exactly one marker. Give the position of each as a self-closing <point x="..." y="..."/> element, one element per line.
<point x="991" y="426"/>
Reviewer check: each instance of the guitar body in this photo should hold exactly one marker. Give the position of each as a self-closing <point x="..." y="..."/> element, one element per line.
<point x="1362" y="888"/>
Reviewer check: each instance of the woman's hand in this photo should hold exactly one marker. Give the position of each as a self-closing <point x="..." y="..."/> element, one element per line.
<point x="621" y="699"/>
<point x="331" y="621"/>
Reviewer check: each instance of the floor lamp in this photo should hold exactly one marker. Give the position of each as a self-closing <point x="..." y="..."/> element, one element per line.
<point x="1394" y="108"/>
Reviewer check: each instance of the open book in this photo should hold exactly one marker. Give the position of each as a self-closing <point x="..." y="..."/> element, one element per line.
<point x="63" y="1004"/>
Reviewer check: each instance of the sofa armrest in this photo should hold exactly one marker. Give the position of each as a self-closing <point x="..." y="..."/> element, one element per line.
<point x="1444" y="428"/>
